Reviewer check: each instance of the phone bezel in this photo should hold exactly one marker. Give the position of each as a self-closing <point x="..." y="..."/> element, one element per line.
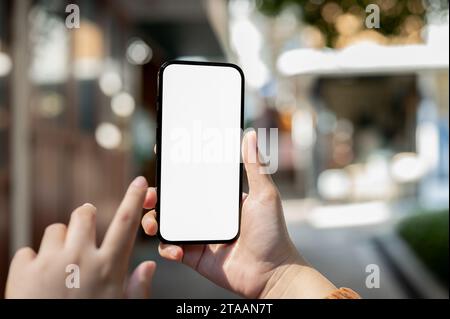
<point x="159" y="147"/>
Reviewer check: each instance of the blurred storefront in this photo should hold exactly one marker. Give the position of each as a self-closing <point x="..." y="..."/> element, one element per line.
<point x="357" y="105"/>
<point x="77" y="105"/>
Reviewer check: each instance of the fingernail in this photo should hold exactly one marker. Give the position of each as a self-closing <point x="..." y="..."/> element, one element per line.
<point x="147" y="223"/>
<point x="140" y="181"/>
<point x="250" y="133"/>
<point x="173" y="251"/>
<point x="146" y="272"/>
<point x="89" y="205"/>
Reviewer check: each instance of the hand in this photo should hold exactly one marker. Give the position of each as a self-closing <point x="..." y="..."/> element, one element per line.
<point x="103" y="271"/>
<point x="262" y="262"/>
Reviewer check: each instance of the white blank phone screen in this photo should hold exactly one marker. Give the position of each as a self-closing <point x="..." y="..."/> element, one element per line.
<point x="200" y="152"/>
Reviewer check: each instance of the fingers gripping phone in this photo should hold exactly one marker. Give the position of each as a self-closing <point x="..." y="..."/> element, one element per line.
<point x="199" y="171"/>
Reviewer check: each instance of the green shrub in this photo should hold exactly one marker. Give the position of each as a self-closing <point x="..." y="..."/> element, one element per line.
<point x="427" y="235"/>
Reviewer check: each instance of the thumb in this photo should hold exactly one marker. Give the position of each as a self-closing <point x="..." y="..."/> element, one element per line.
<point x="257" y="178"/>
<point x="140" y="281"/>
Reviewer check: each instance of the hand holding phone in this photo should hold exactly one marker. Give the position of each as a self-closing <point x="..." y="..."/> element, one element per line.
<point x="263" y="259"/>
<point x="262" y="262"/>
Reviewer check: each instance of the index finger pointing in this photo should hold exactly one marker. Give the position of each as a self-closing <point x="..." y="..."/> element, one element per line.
<point x="119" y="238"/>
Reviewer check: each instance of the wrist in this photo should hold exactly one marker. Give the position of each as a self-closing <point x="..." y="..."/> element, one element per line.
<point x="297" y="279"/>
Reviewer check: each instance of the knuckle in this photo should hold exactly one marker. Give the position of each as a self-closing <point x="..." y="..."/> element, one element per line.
<point x="106" y="270"/>
<point x="126" y="216"/>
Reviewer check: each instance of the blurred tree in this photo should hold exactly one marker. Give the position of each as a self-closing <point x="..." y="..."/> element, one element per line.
<point x="397" y="17"/>
<point x="427" y="235"/>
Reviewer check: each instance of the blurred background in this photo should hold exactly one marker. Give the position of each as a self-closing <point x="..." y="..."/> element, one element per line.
<point x="361" y="111"/>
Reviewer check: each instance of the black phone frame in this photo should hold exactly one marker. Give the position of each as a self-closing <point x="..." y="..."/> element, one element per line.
<point x="159" y="107"/>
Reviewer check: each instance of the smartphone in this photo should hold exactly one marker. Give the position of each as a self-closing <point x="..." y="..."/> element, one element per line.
<point x="199" y="167"/>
